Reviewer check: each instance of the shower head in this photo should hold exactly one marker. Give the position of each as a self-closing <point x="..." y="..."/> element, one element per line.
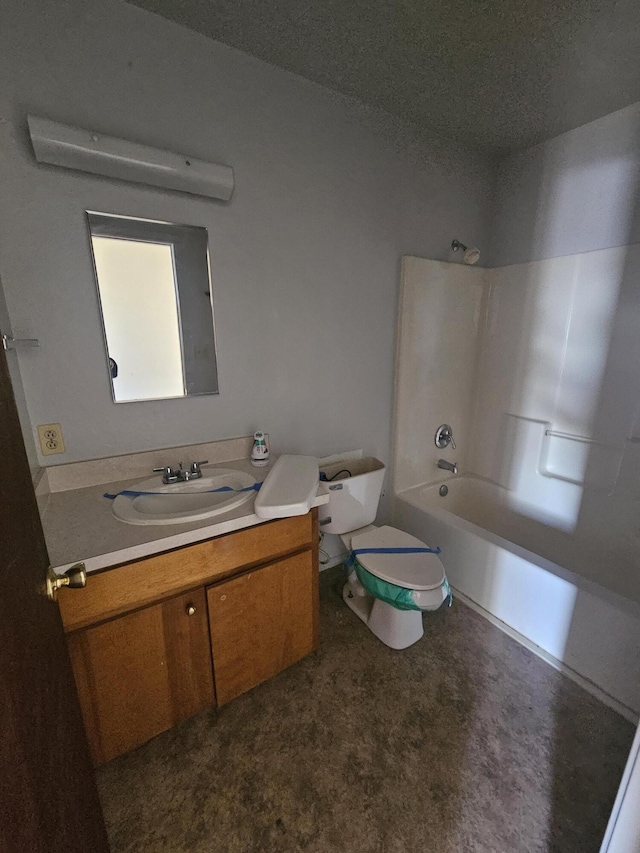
<point x="471" y="256"/>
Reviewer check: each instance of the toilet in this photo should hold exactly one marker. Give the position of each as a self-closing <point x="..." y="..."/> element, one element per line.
<point x="393" y="577"/>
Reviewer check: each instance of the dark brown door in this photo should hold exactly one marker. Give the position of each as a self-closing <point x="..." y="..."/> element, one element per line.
<point x="48" y="796"/>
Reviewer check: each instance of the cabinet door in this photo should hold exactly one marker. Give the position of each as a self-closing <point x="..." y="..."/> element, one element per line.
<point x="262" y="622"/>
<point x="142" y="673"/>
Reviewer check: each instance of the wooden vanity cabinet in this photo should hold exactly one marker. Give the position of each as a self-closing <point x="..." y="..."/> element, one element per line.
<point x="149" y="640"/>
<point x="262" y="622"/>
<point x="142" y="673"/>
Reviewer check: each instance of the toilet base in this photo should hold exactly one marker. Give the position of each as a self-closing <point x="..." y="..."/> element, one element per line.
<point x="397" y="629"/>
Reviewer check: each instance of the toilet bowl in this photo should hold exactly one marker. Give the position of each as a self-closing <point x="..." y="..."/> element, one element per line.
<point x="393" y="577"/>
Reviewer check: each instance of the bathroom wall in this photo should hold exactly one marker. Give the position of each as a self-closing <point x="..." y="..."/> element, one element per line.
<point x="571" y="194"/>
<point x="305" y="257"/>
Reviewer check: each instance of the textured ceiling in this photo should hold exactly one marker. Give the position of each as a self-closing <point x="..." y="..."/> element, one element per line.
<point x="492" y="74"/>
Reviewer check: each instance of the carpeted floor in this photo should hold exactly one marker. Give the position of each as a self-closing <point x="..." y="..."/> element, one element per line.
<point x="464" y="742"/>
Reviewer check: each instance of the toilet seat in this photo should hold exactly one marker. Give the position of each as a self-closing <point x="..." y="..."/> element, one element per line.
<point x="412" y="571"/>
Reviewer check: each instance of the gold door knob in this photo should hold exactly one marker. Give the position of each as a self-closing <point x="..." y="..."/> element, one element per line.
<point x="75" y="578"/>
<point x="190" y="610"/>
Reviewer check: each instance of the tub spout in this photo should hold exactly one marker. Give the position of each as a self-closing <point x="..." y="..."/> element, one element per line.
<point x="448" y="466"/>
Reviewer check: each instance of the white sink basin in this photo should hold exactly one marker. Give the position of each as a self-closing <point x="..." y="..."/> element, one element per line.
<point x="152" y="502"/>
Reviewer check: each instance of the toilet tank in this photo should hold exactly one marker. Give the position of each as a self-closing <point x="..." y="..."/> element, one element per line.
<point x="354" y="493"/>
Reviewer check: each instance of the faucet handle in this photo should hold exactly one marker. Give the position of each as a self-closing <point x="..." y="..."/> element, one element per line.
<point x="169" y="475"/>
<point x="444" y="437"/>
<point x="195" y="466"/>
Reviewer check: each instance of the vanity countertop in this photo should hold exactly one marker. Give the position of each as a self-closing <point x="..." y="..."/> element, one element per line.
<point x="80" y="526"/>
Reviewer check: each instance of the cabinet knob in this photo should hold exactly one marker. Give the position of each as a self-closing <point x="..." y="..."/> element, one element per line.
<point x="190" y="610"/>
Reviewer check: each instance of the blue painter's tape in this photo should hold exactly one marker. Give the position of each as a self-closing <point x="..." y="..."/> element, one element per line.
<point x="132" y="493"/>
<point x="351" y="559"/>
<point x="357" y="551"/>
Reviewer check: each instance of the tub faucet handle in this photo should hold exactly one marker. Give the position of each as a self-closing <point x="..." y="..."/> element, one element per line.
<point x="444" y="437"/>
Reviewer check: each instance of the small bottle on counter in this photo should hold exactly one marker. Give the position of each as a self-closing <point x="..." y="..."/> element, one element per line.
<point x="260" y="450"/>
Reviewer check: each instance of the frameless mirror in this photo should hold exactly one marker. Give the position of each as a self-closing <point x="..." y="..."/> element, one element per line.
<point x="157" y="315"/>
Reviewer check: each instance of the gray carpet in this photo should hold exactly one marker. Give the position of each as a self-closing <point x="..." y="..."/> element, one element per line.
<point x="464" y="742"/>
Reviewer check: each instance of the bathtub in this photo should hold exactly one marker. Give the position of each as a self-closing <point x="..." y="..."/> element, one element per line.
<point x="510" y="569"/>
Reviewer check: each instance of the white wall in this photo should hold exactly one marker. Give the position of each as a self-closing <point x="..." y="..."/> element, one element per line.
<point x="572" y="194"/>
<point x="623" y="831"/>
<point x="305" y="257"/>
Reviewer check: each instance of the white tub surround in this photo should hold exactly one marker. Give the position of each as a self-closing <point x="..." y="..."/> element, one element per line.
<point x="440" y="317"/>
<point x="79" y="524"/>
<point x="535" y="366"/>
<point x="580" y="627"/>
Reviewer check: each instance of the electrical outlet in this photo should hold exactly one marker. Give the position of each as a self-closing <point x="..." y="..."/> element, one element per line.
<point x="51" y="440"/>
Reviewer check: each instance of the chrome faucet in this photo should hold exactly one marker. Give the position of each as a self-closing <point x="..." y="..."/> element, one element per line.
<point x="448" y="466"/>
<point x="179" y="474"/>
<point x="169" y="475"/>
<point x="194" y="472"/>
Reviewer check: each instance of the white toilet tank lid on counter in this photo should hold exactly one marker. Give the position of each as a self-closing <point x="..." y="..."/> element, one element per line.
<point x="289" y="488"/>
<point x="411" y="571"/>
